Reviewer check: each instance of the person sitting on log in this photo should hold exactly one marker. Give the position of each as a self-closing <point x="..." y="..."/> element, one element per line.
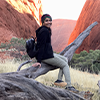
<point x="45" y="53"/>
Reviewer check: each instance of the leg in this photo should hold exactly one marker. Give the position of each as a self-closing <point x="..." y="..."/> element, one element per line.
<point x="60" y="75"/>
<point x="57" y="61"/>
<point x="63" y="65"/>
<point x="62" y="57"/>
<point x="71" y="88"/>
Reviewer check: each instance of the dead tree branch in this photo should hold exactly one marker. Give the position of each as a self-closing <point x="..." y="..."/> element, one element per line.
<point x="21" y="85"/>
<point x="67" y="52"/>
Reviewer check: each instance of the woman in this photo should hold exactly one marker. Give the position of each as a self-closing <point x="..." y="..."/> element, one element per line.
<point x="45" y="53"/>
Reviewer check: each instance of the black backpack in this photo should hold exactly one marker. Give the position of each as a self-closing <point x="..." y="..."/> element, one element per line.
<point x="31" y="47"/>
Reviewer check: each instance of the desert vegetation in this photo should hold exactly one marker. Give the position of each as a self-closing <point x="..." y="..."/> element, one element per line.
<point x="84" y="67"/>
<point x="87" y="61"/>
<point x="83" y="81"/>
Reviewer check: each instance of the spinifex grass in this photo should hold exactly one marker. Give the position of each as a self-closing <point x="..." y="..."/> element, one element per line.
<point x="82" y="81"/>
<point x="10" y="65"/>
<point x="78" y="78"/>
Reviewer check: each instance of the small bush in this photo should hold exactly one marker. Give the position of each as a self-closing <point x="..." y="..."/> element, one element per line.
<point x="80" y="59"/>
<point x="16" y="48"/>
<point x="84" y="53"/>
<point x="84" y="61"/>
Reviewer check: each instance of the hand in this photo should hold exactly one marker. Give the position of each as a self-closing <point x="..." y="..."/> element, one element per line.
<point x="36" y="64"/>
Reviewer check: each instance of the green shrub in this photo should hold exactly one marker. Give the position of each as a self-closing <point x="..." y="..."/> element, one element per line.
<point x="90" y="51"/>
<point x="83" y="53"/>
<point x="84" y="61"/>
<point x="18" y="46"/>
<point x="95" y="69"/>
<point x="76" y="55"/>
<point x="80" y="59"/>
<point x="98" y="57"/>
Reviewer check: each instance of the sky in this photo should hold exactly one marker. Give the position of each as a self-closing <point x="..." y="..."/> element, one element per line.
<point x="63" y="9"/>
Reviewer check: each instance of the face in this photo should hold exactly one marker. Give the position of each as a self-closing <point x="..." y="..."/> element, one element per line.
<point x="47" y="22"/>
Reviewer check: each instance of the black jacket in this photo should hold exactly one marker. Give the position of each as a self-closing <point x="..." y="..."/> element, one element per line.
<point x="44" y="47"/>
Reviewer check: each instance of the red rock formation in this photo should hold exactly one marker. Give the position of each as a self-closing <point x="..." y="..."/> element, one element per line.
<point x="61" y="30"/>
<point x="33" y="7"/>
<point x="90" y="13"/>
<point x="19" y="18"/>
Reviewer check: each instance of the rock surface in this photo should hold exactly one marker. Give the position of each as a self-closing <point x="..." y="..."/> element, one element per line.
<point x="90" y="13"/>
<point x="18" y="18"/>
<point x="61" y="30"/>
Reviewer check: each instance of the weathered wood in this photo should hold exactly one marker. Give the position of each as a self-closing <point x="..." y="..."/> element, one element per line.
<point x="21" y="85"/>
<point x="71" y="48"/>
<point x="14" y="86"/>
<point x="67" y="52"/>
<point x="26" y="62"/>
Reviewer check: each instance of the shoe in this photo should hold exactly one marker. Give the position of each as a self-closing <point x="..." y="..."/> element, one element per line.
<point x="72" y="89"/>
<point x="60" y="83"/>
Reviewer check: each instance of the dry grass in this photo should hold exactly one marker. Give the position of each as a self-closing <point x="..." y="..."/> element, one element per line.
<point x="10" y="66"/>
<point x="81" y="80"/>
<point x="78" y="78"/>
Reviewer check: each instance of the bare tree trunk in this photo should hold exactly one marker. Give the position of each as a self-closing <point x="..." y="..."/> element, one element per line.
<point x="21" y="85"/>
<point x="67" y="52"/>
<point x="13" y="86"/>
<point x="70" y="49"/>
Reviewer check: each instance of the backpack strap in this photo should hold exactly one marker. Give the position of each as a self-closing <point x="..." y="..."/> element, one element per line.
<point x="34" y="38"/>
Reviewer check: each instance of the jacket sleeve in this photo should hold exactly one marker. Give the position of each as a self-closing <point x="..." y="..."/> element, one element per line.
<point x="41" y="44"/>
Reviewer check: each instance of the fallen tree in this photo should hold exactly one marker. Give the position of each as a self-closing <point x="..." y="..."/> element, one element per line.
<point x="21" y="85"/>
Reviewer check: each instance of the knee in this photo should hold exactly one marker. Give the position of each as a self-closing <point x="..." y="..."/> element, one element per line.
<point x="64" y="65"/>
<point x="66" y="59"/>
